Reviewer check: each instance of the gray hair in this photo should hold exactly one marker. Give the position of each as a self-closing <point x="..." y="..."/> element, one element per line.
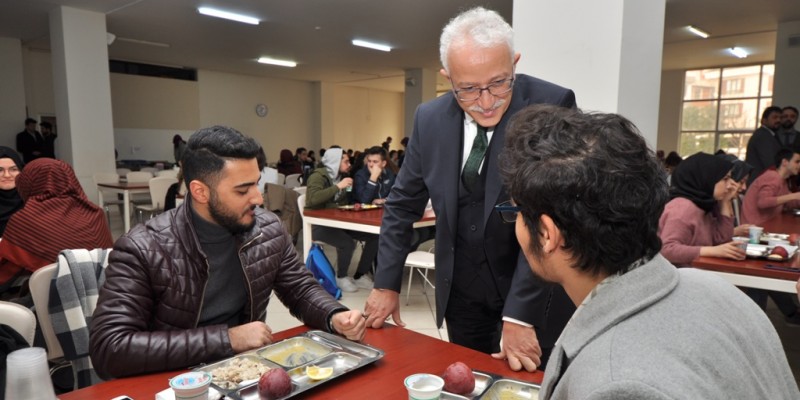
<point x="479" y="26"/>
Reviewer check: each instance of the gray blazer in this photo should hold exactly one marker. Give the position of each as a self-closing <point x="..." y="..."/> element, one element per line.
<point x="659" y="332"/>
<point x="431" y="170"/>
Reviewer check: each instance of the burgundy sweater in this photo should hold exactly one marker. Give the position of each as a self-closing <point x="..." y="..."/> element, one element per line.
<point x="684" y="228"/>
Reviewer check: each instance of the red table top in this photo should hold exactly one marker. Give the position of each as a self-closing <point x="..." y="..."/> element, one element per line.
<point x="407" y="353"/>
<point x="368" y="217"/>
<point x="784" y="223"/>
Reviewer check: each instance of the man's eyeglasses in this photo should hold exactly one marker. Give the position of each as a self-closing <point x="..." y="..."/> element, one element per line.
<point x="508" y="211"/>
<point x="496" y="88"/>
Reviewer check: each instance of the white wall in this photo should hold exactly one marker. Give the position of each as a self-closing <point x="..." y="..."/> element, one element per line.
<point x="12" y="92"/>
<point x="787" y="63"/>
<point x="148" y="111"/>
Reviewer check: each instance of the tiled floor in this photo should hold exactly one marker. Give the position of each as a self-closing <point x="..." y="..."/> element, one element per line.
<point x="419" y="314"/>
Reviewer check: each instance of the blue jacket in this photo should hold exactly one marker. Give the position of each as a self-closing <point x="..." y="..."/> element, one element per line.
<point x="365" y="191"/>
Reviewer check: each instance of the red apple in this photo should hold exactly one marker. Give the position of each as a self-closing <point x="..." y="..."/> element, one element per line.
<point x="458" y="379"/>
<point x="780" y="251"/>
<point x="274" y="384"/>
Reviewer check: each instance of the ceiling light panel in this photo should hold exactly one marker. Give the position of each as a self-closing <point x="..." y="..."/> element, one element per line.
<point x="738" y="52"/>
<point x="371" y="45"/>
<point x="213" y="12"/>
<point x="697" y="31"/>
<point x="273" y="61"/>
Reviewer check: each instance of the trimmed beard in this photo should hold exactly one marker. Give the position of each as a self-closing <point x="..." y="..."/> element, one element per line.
<point x="227" y="218"/>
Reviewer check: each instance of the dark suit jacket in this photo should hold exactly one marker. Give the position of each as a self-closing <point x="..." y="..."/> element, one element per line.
<point x="431" y="169"/>
<point x="761" y="150"/>
<point x="27" y="144"/>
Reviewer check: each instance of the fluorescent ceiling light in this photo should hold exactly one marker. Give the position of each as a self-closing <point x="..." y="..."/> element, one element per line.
<point x="370" y="45"/>
<point x="738" y="52"/>
<point x="282" y="63"/>
<point x="697" y="31"/>
<point x="144" y="42"/>
<point x="213" y="12"/>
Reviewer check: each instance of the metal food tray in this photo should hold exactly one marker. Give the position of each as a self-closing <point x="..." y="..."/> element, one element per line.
<point x="363" y="207"/>
<point x="495" y="387"/>
<point x="762" y="251"/>
<point x="511" y="389"/>
<point x="333" y="351"/>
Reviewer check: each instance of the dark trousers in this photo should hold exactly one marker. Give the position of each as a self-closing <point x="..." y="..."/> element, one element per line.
<point x="474" y="312"/>
<point x="784" y="301"/>
<point x="345" y="243"/>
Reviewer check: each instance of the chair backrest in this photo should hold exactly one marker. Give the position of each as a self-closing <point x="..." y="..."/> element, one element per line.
<point x="139" y="176"/>
<point x="20" y="318"/>
<point x="276" y="195"/>
<point x="158" y="190"/>
<point x="281" y="178"/>
<point x="301" y="204"/>
<point x="40" y="291"/>
<point x="293" y="180"/>
<point x="151" y="170"/>
<point x="123" y="172"/>
<point x="300" y="189"/>
<point x="173" y="173"/>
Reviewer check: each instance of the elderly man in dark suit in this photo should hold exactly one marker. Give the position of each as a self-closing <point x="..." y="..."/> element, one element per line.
<point x="484" y="287"/>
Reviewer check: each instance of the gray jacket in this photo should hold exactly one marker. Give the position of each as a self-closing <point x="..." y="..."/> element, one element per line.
<point x="659" y="332"/>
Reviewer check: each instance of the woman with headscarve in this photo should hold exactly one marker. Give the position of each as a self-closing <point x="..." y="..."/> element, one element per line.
<point x="56" y="216"/>
<point x="739" y="174"/>
<point x="698" y="221"/>
<point x="10" y="201"/>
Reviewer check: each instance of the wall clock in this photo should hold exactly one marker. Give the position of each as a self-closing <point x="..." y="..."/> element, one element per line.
<point x="262" y="110"/>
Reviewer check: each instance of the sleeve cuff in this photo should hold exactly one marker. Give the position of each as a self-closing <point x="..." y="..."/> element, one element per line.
<point x="518" y="322"/>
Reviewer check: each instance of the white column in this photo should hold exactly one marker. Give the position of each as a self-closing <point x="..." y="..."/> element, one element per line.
<point x="82" y="93"/>
<point x="607" y="51"/>
<point x="787" y="62"/>
<point x="12" y="92"/>
<point x="420" y="87"/>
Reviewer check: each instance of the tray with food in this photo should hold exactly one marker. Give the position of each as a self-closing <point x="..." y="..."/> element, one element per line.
<point x="240" y="371"/>
<point x="779" y="252"/>
<point x="304" y="362"/>
<point x="360" y="207"/>
<point x="463" y="383"/>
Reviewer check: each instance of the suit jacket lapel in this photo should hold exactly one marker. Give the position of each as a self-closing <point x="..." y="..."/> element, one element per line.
<point x="493" y="181"/>
<point x="449" y="152"/>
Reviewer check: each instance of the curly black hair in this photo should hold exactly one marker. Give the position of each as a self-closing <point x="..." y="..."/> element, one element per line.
<point x="594" y="175"/>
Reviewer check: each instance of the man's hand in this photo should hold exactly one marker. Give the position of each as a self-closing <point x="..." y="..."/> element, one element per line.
<point x="350" y="324"/>
<point x="520" y="347"/>
<point x="375" y="172"/>
<point x="345" y="182"/>
<point x="250" y="336"/>
<point x="379" y="202"/>
<point x="381" y="303"/>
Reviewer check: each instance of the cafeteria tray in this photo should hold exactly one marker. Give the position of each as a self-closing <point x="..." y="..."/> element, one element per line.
<point x="511" y="389"/>
<point x="362" y="207"/>
<point x="482" y="381"/>
<point x="761" y="251"/>
<point x="323" y="350"/>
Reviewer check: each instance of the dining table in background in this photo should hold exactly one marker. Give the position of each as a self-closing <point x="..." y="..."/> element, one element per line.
<point x="406" y="353"/>
<point x="752" y="272"/>
<point x="362" y="221"/>
<point x="126" y="189"/>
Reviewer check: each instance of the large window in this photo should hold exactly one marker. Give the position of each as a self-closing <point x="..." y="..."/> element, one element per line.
<point x="722" y="107"/>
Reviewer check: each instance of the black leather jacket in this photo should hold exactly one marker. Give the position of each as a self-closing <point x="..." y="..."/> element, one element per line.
<point x="149" y="306"/>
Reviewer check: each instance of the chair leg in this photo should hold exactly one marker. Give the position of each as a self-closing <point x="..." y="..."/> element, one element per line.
<point x="410" y="278"/>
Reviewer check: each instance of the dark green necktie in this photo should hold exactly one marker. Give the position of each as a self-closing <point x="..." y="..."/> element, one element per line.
<point x="472" y="168"/>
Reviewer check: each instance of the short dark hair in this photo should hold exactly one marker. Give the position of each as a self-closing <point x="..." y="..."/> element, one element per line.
<point x="30" y="121"/>
<point x="783" y="154"/>
<point x="376" y="150"/>
<point x="793" y="108"/>
<point x="769" y="110"/>
<point x="673" y="159"/>
<point x="594" y="175"/>
<point x="46" y="124"/>
<point x="299" y="150"/>
<point x="208" y="149"/>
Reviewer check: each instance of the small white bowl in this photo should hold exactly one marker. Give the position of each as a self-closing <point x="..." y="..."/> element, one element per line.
<point x="191" y="385"/>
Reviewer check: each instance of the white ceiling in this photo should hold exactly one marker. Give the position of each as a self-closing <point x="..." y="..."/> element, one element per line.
<point x="317" y="33"/>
